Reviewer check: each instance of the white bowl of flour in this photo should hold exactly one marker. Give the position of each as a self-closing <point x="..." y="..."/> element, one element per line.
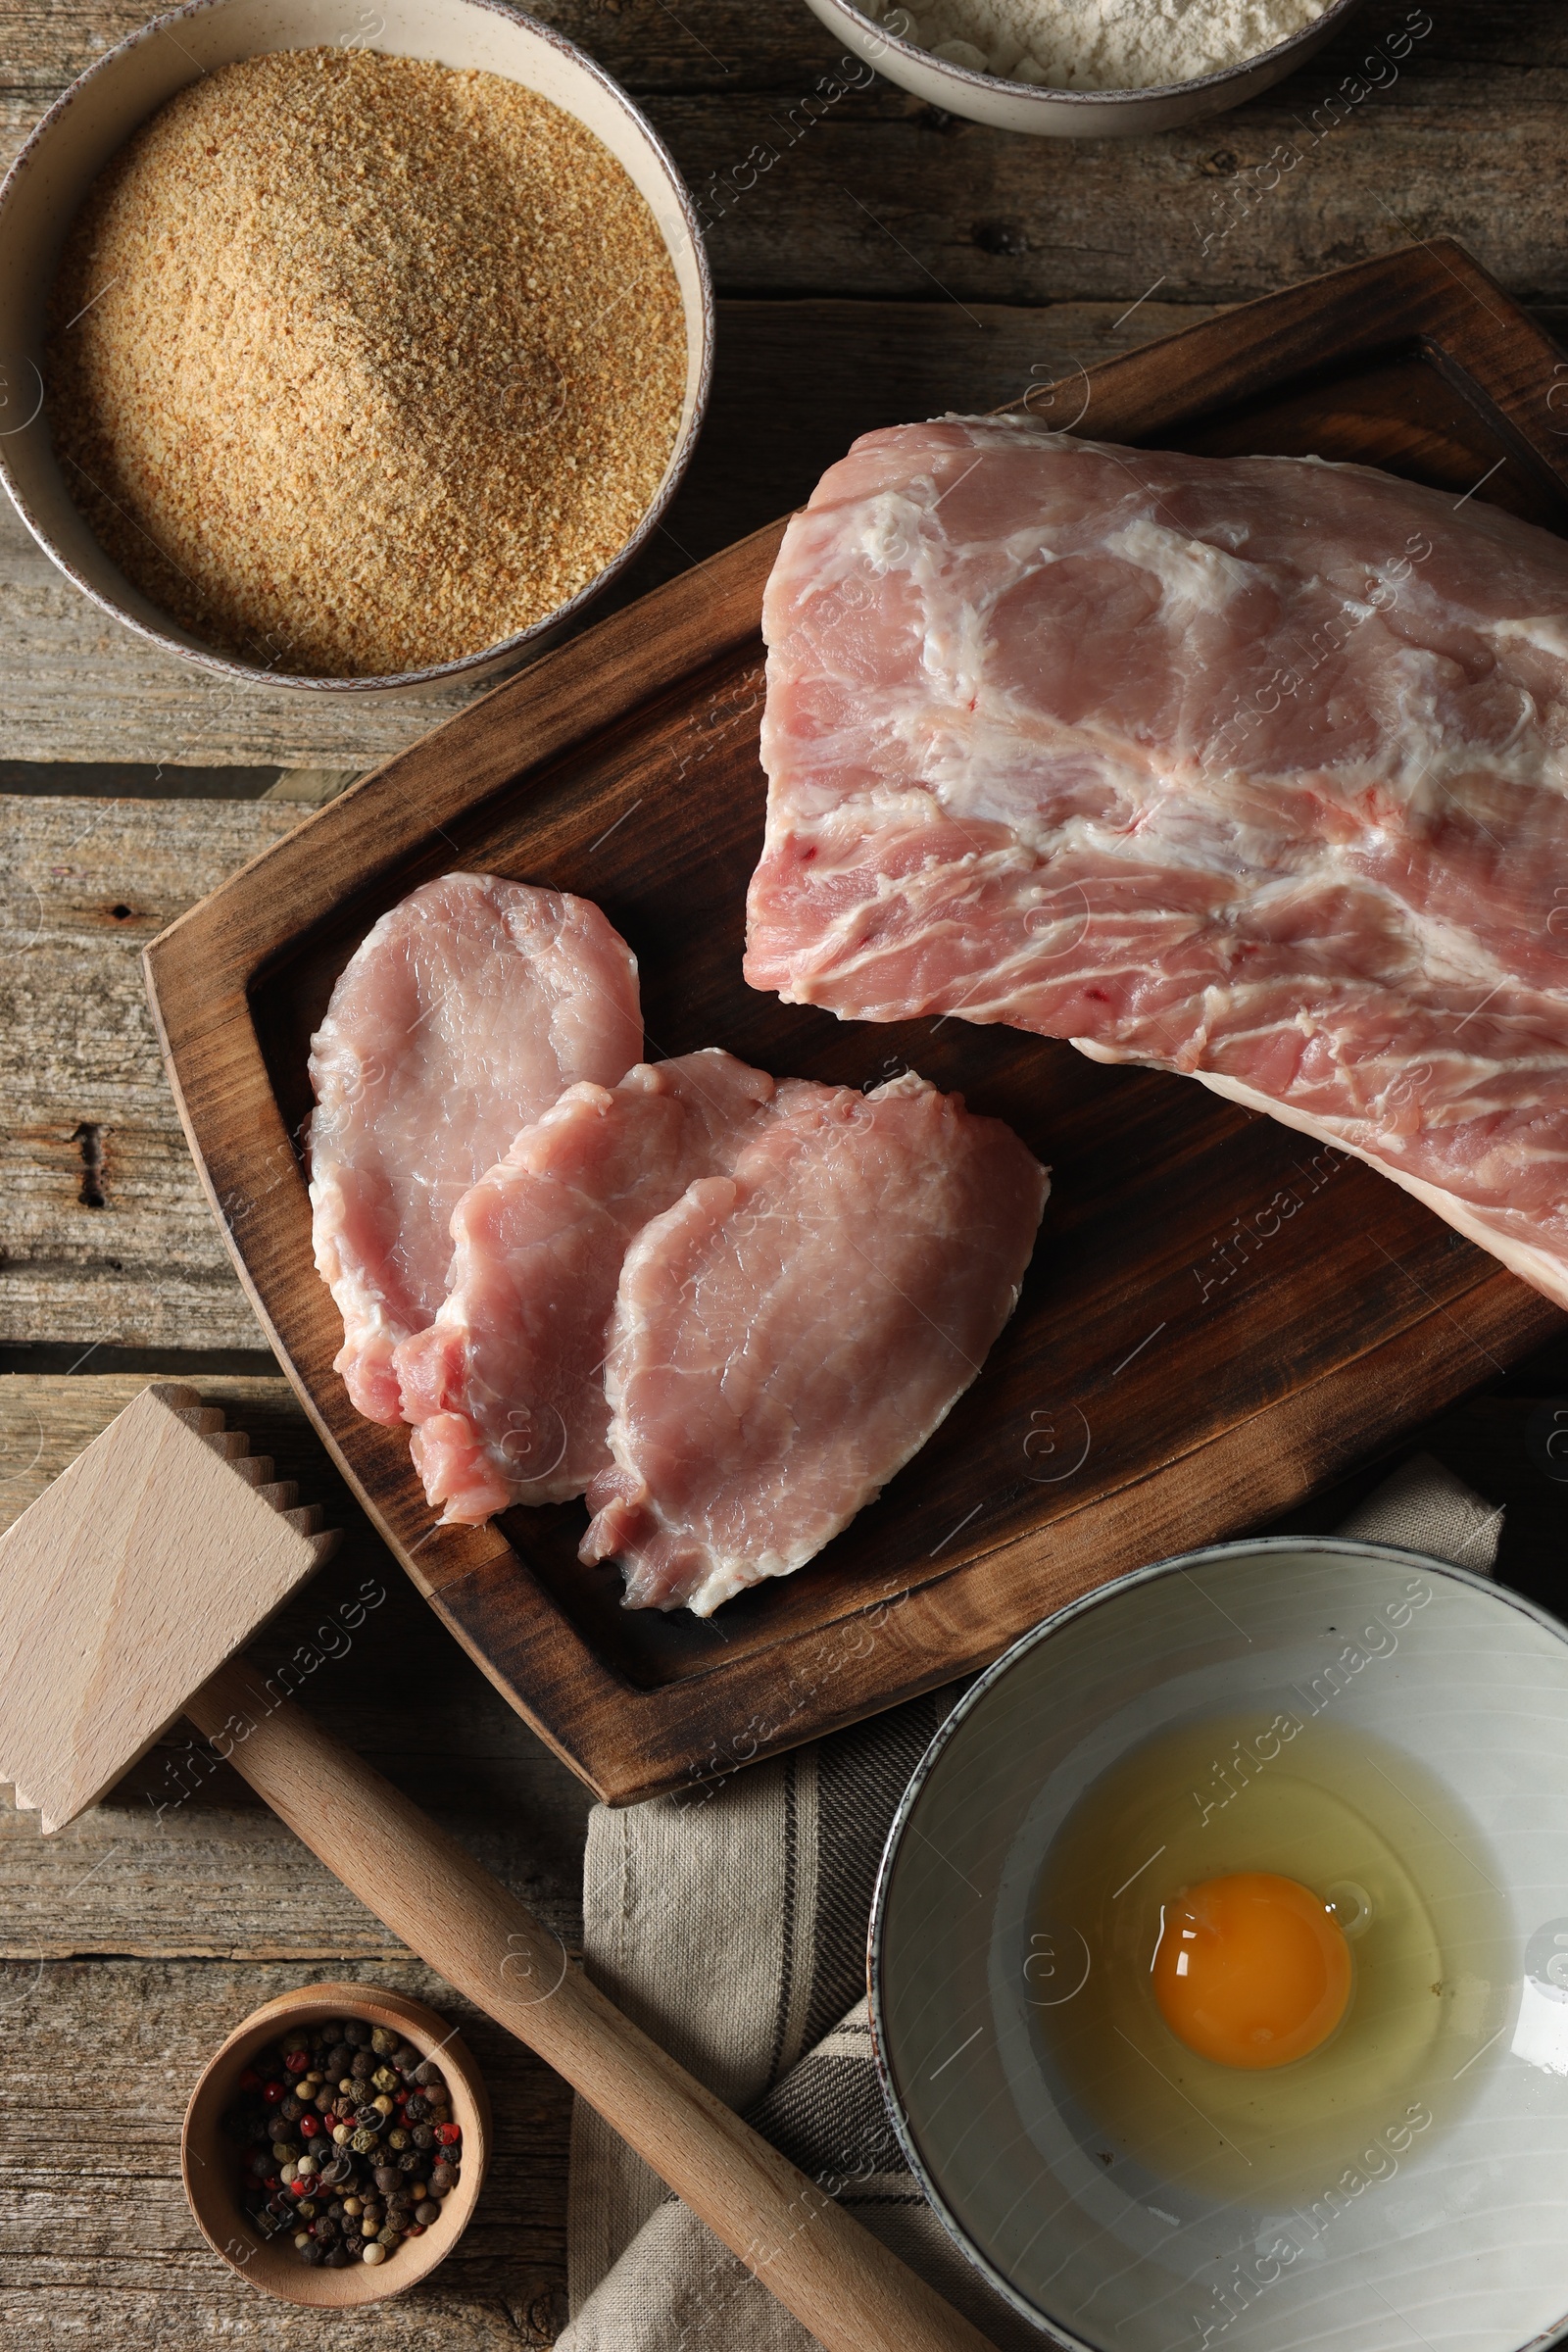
<point x="1084" y="69"/>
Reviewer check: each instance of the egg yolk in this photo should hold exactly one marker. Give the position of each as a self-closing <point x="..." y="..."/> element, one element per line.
<point x="1251" y="1970"/>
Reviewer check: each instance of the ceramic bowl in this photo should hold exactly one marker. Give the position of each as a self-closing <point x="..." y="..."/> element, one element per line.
<point x="1071" y="113"/>
<point x="1441" y="2224"/>
<point x="210" y="2160"/>
<point x="97" y="114"/>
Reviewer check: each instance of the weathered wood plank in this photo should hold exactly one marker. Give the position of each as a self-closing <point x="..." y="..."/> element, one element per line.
<point x="97" y="2243"/>
<point x="1463" y="136"/>
<point x="75" y="685"/>
<point x="717" y="47"/>
<point x="126" y="1250"/>
<point x="1467" y="140"/>
<point x="363" y="1654"/>
<point x="794" y="383"/>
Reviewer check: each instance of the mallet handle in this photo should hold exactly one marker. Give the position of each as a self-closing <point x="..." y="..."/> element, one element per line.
<point x="838" y="2282"/>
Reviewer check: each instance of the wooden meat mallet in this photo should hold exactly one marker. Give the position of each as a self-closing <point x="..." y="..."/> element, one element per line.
<point x="126" y="1590"/>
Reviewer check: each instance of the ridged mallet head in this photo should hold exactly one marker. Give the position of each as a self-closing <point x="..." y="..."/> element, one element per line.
<point x="161" y="1550"/>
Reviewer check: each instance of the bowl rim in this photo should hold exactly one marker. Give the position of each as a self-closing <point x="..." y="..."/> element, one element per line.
<point x="1051" y="92"/>
<point x="1178" y="1563"/>
<point x="507" y="651"/>
<point x="421" y="2024"/>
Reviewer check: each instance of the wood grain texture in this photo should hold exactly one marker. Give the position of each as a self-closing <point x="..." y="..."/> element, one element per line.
<point x="624" y="767"/>
<point x="143" y="1567"/>
<point x="97" y="2244"/>
<point x="840" y="2282"/>
<point x="83" y="886"/>
<point x="1463" y="138"/>
<point x="875" y="194"/>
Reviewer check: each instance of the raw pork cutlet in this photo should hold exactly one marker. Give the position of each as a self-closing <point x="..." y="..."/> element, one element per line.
<point x="787" y="1337"/>
<point x="507" y="1386"/>
<point x="1253" y="768"/>
<point x="458" y="1020"/>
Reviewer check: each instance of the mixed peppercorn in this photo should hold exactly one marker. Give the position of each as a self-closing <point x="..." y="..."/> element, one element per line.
<point x="349" y="2143"/>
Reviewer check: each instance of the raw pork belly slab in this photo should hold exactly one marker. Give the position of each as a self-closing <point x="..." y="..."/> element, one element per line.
<point x="507" y="1383"/>
<point x="459" y="1019"/>
<point x="786" y="1338"/>
<point x="1252" y="768"/>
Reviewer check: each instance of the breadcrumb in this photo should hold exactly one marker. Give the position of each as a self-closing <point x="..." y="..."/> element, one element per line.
<point x="358" y="364"/>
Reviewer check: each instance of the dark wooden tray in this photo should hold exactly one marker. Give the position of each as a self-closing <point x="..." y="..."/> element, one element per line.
<point x="1218" y="1317"/>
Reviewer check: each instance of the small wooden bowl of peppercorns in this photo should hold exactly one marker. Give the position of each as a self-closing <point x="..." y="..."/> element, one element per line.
<point x="335" y="2148"/>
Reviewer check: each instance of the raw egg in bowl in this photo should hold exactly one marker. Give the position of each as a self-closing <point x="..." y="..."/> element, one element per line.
<point x="1219" y="1960"/>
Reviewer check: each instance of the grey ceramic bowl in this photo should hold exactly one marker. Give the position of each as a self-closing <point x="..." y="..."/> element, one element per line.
<point x="1444" y="2223"/>
<point x="98" y="113"/>
<point x="1072" y="114"/>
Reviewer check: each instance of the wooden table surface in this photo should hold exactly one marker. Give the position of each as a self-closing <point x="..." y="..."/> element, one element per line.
<point x="877" y="261"/>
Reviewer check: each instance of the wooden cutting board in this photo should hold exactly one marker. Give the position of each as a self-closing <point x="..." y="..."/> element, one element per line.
<point x="1220" y="1315"/>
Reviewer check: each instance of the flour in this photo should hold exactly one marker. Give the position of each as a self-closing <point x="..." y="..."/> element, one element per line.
<point x="1096" y="44"/>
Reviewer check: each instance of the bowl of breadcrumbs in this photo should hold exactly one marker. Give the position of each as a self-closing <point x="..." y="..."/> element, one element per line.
<point x="353" y="350"/>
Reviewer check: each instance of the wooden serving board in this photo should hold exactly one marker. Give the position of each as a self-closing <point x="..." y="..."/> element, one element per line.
<point x="1218" y="1317"/>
